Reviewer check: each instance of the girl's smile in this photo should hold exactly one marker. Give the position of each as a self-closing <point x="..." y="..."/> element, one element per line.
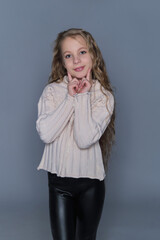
<point x="76" y="57"/>
<point x="79" y="69"/>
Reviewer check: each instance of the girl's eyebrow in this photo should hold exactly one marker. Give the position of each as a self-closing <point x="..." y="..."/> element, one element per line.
<point x="78" y="49"/>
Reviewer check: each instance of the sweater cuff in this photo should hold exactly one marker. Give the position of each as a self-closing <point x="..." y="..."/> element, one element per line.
<point x="83" y="99"/>
<point x="82" y="94"/>
<point x="69" y="97"/>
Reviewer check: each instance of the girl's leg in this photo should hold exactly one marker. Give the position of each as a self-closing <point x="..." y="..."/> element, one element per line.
<point x="90" y="205"/>
<point x="62" y="214"/>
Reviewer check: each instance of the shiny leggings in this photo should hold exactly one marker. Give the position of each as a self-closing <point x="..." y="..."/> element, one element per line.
<point x="75" y="207"/>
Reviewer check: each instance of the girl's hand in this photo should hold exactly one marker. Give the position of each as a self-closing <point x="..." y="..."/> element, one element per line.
<point x="73" y="85"/>
<point x="86" y="83"/>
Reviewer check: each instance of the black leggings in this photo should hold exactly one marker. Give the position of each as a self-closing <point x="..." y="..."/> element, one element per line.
<point x="75" y="206"/>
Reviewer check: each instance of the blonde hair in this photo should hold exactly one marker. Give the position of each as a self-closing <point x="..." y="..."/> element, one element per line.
<point x="98" y="72"/>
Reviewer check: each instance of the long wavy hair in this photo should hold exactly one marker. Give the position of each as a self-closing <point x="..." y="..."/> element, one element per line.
<point x="99" y="72"/>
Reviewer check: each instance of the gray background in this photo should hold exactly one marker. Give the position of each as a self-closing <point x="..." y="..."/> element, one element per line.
<point x="128" y="35"/>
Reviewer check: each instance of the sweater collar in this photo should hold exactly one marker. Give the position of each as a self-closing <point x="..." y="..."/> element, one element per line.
<point x="66" y="80"/>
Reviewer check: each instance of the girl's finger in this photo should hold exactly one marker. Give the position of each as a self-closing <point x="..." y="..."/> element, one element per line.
<point x="88" y="74"/>
<point x="74" y="81"/>
<point x="77" y="88"/>
<point x="69" y="77"/>
<point x="83" y="83"/>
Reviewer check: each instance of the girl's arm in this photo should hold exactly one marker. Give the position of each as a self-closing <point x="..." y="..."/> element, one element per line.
<point x="91" y="120"/>
<point x="53" y="116"/>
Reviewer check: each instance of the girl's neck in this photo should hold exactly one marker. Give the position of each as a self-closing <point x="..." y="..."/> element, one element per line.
<point x="79" y="79"/>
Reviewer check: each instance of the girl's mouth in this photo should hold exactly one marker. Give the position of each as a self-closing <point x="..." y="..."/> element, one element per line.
<point x="79" y="69"/>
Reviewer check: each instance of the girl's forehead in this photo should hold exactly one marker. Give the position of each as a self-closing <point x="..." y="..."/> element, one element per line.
<point x="76" y="40"/>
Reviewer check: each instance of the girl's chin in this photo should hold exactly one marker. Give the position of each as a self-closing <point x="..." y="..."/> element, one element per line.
<point x="79" y="76"/>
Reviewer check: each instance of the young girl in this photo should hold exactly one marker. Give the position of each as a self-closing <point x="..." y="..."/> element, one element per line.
<point x="76" y="122"/>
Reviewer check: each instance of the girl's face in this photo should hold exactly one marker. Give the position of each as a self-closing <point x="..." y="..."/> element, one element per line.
<point x="76" y="57"/>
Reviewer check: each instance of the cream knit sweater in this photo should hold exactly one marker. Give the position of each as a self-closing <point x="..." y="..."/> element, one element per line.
<point x="71" y="128"/>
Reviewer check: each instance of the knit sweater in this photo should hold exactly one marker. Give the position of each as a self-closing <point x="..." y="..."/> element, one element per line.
<point x="70" y="127"/>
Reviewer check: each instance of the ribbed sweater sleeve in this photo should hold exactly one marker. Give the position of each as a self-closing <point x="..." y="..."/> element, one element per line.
<point x="91" y="120"/>
<point x="52" y="115"/>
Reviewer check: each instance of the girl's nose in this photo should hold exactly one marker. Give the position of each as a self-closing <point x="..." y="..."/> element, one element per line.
<point x="76" y="59"/>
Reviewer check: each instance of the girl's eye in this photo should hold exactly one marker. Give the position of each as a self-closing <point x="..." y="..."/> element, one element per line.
<point x="68" y="56"/>
<point x="82" y="52"/>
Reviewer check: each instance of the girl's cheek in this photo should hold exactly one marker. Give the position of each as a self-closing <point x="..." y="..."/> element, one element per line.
<point x="67" y="64"/>
<point x="91" y="65"/>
